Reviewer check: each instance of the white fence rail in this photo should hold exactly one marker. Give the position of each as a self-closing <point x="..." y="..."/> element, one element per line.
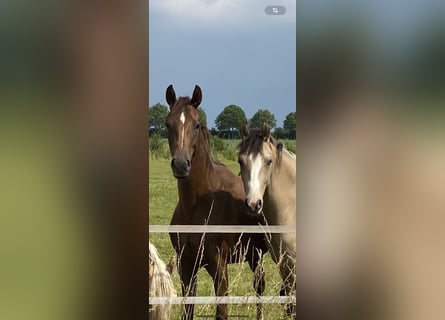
<point x="222" y="300"/>
<point x="220" y="229"/>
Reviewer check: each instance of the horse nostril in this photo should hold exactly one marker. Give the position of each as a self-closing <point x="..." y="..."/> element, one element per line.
<point x="258" y="206"/>
<point x="188" y="163"/>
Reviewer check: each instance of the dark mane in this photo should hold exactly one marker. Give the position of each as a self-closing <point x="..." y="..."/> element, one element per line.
<point x="253" y="143"/>
<point x="205" y="136"/>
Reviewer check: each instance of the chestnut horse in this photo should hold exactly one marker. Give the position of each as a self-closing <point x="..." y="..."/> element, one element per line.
<point x="209" y="193"/>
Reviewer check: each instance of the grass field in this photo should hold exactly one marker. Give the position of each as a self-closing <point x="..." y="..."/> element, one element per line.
<point x="163" y="197"/>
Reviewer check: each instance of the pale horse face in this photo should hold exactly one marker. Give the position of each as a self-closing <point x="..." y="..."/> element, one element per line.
<point x="255" y="173"/>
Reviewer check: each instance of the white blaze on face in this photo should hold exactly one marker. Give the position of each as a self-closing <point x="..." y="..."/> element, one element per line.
<point x="182" y="119"/>
<point x="254" y="183"/>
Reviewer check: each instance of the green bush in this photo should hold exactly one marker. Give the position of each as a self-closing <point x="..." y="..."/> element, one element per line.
<point x="158" y="146"/>
<point x="220" y="148"/>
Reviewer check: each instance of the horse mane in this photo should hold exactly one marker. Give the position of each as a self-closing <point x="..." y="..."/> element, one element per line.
<point x="253" y="143"/>
<point x="205" y="136"/>
<point x="160" y="284"/>
<point x="289" y="154"/>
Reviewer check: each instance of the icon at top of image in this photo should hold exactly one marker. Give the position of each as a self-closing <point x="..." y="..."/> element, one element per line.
<point x="275" y="10"/>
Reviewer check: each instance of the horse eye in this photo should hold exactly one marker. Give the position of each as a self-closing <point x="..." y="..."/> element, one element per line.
<point x="197" y="126"/>
<point x="268" y="162"/>
<point x="240" y="162"/>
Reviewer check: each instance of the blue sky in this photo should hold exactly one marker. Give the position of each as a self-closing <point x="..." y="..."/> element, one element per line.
<point x="234" y="51"/>
<point x="239" y="55"/>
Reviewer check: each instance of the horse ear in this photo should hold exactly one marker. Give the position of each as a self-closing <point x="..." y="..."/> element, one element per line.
<point x="170" y="96"/>
<point x="279" y="150"/>
<point x="196" y="97"/>
<point x="244" y="131"/>
<point x="265" y="131"/>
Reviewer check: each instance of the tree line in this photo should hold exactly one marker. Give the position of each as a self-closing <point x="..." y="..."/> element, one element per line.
<point x="228" y="122"/>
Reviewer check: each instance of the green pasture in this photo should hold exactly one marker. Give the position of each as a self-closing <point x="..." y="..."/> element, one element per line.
<point x="163" y="197"/>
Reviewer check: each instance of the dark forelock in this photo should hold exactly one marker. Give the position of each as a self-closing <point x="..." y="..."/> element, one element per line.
<point x="253" y="143"/>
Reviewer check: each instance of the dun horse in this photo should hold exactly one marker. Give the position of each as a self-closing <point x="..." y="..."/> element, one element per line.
<point x="209" y="193"/>
<point x="268" y="171"/>
<point x="160" y="284"/>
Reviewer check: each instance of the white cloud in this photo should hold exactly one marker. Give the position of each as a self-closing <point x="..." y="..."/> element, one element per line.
<point x="219" y="12"/>
<point x="201" y="9"/>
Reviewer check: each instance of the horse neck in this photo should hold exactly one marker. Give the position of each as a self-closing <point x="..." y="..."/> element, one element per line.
<point x="281" y="189"/>
<point x="197" y="183"/>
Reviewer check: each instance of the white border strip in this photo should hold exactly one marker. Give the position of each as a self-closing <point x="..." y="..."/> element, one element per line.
<point x="220" y="229"/>
<point x="222" y="300"/>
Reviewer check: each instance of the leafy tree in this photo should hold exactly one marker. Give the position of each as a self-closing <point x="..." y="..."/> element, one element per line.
<point x="263" y="116"/>
<point x="156" y="118"/>
<point x="213" y="131"/>
<point x="290" y="124"/>
<point x="202" y="117"/>
<point x="230" y="119"/>
<point x="280" y="133"/>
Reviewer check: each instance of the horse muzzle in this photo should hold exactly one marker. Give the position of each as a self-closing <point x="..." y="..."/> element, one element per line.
<point x="181" y="167"/>
<point x="255" y="206"/>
